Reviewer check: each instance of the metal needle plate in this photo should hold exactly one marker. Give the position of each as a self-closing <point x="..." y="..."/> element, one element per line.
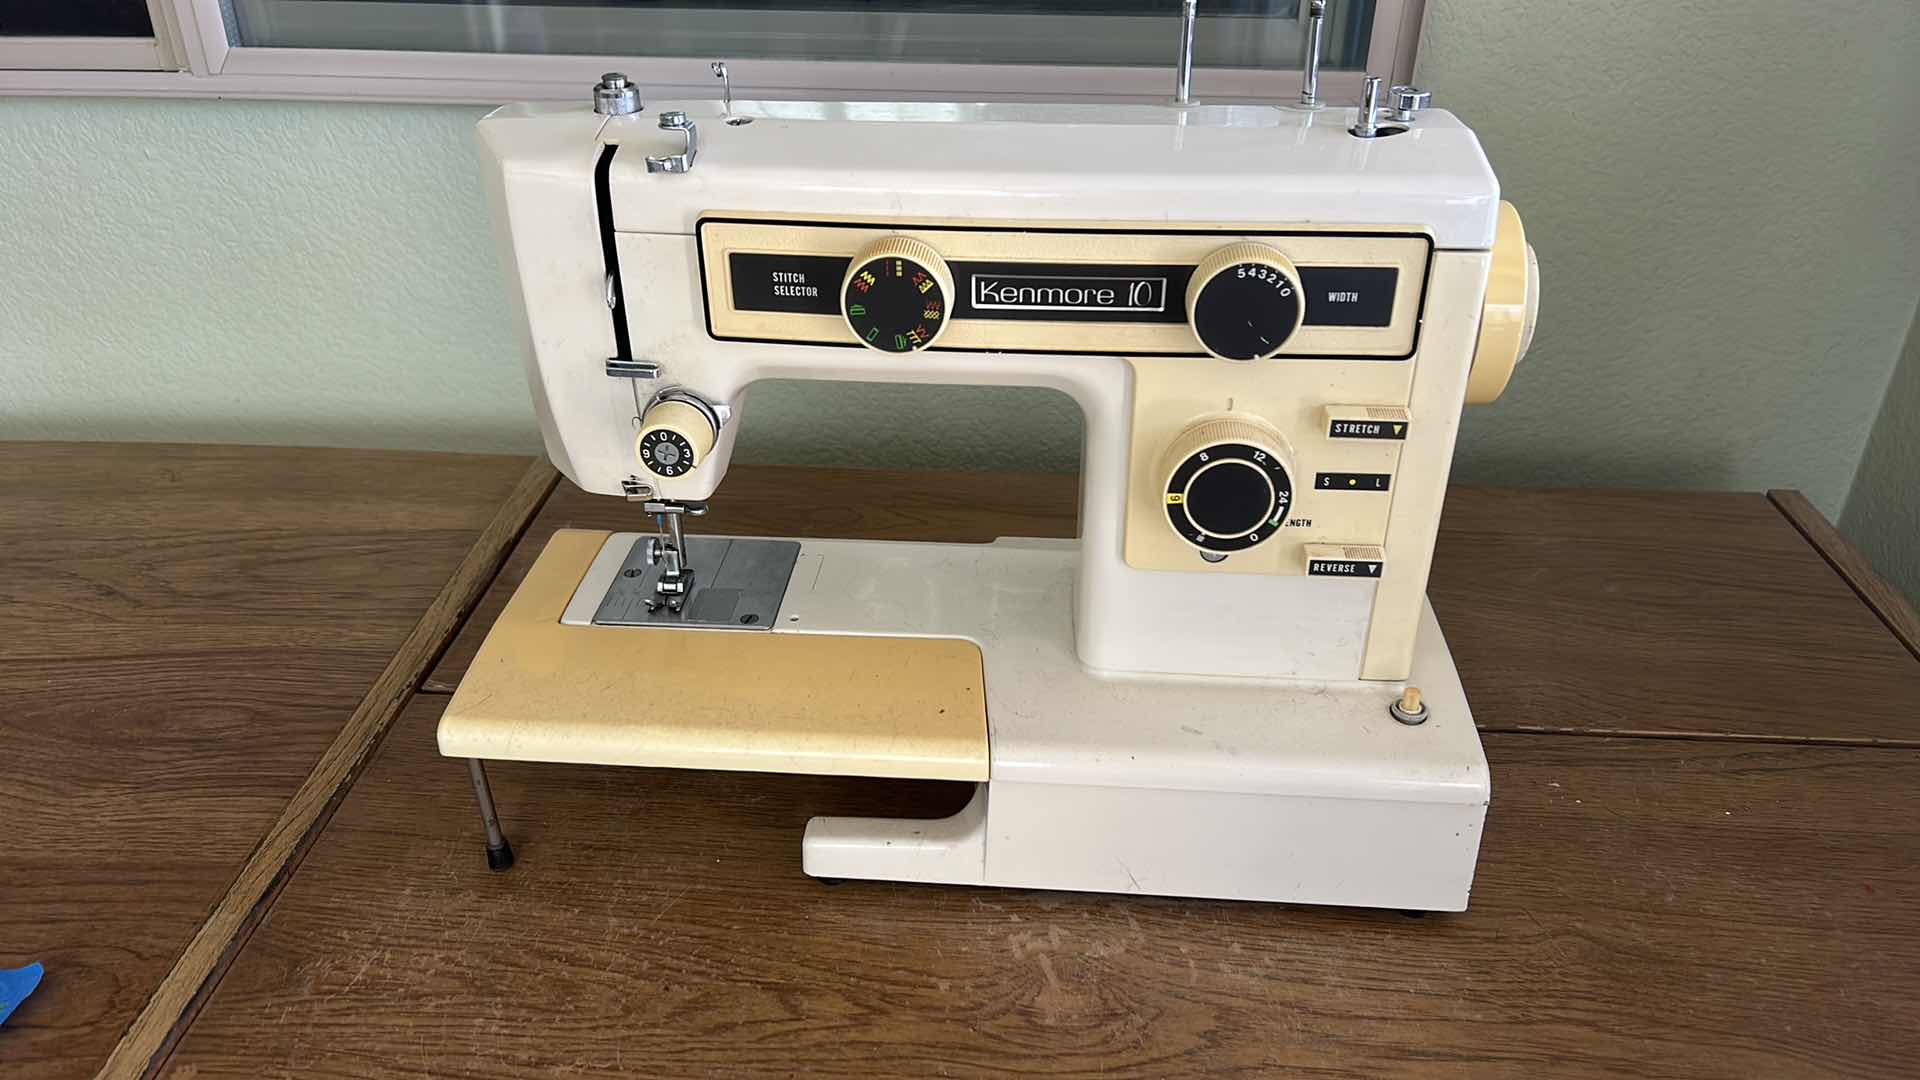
<point x="737" y="585"/>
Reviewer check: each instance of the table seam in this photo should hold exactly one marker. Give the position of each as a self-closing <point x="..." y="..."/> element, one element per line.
<point x="149" y="1040"/>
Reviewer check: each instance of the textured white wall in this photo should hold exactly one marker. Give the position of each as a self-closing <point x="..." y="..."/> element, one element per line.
<point x="1883" y="511"/>
<point x="323" y="275"/>
<point x="1724" y="198"/>
<point x="250" y="272"/>
<point x="1728" y="280"/>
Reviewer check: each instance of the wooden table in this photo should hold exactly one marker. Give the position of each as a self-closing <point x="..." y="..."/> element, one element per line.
<point x="1702" y="857"/>
<point x="1649" y="907"/>
<point x="184" y="632"/>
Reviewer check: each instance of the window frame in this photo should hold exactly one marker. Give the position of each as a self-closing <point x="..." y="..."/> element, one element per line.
<point x="159" y="53"/>
<point x="193" y="41"/>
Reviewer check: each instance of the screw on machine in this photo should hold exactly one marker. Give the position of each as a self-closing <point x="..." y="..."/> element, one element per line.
<point x="1407" y="101"/>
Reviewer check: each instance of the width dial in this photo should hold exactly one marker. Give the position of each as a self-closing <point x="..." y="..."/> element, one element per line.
<point x="1227" y="485"/>
<point x="1243" y="302"/>
<point x="897" y="294"/>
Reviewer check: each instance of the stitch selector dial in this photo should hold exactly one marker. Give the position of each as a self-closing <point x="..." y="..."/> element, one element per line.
<point x="1227" y="486"/>
<point x="897" y="295"/>
<point x="675" y="437"/>
<point x="1243" y="302"/>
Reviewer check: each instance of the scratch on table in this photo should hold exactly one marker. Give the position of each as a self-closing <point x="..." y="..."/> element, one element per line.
<point x="1552" y="940"/>
<point x="357" y="976"/>
<point x="684" y="890"/>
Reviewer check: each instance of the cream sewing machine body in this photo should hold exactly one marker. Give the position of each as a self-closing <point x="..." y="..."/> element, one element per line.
<point x="1270" y="320"/>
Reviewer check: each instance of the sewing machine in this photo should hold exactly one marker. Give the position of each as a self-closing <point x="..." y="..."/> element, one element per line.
<point x="1230" y="684"/>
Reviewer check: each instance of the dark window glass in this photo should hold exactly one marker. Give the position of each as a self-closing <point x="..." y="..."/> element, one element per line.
<point x="1231" y="33"/>
<point x="75" y="18"/>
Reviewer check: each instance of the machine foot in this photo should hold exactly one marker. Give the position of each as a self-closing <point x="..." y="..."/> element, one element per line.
<point x="831" y="882"/>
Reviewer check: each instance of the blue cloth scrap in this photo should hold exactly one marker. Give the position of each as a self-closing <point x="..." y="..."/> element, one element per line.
<point x="15" y="985"/>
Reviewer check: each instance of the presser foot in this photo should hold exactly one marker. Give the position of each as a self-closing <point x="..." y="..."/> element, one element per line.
<point x="739" y="585"/>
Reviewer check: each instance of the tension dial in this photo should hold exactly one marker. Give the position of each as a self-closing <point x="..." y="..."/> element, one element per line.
<point x="1243" y="301"/>
<point x="897" y="295"/>
<point x="676" y="434"/>
<point x="1227" y="484"/>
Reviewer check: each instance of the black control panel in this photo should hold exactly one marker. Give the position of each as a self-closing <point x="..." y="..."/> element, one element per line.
<point x="796" y="284"/>
<point x="1349" y="295"/>
<point x="1071" y="292"/>
<point x="1356" y="296"/>
<point x="1352" y="481"/>
<point x="1355" y="568"/>
<point x="1391" y="430"/>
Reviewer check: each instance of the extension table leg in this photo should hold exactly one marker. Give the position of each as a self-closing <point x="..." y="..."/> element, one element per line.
<point x="499" y="852"/>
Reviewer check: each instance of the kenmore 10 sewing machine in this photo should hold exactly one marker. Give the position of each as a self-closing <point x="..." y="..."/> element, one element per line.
<point x="1230" y="685"/>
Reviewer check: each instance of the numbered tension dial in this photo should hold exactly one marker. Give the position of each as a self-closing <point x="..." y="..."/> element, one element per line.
<point x="1227" y="485"/>
<point x="1244" y="302"/>
<point x="676" y="435"/>
<point x="897" y="295"/>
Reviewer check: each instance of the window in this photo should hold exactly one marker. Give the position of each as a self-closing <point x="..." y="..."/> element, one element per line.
<point x="110" y="34"/>
<point x="1232" y="33"/>
<point x="489" y="51"/>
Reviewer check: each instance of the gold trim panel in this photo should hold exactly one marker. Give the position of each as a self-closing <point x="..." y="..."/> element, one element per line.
<point x="1139" y="245"/>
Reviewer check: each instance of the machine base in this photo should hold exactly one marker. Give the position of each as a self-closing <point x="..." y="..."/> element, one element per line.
<point x="1384" y="854"/>
<point x="1377" y="844"/>
<point x="1233" y="788"/>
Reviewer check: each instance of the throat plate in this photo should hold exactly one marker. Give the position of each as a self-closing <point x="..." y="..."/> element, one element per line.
<point x="737" y="585"/>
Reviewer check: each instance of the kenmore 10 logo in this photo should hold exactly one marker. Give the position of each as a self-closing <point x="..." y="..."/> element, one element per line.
<point x="1045" y="292"/>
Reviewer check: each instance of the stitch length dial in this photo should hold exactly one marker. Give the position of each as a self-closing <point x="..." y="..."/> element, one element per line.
<point x="897" y="295"/>
<point x="1227" y="486"/>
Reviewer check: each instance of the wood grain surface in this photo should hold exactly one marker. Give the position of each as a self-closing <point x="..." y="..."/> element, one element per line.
<point x="1894" y="609"/>
<point x="182" y="632"/>
<point x="1593" y="612"/>
<point x="1644" y="907"/>
<point x="1663" y="614"/>
<point x="200" y="966"/>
